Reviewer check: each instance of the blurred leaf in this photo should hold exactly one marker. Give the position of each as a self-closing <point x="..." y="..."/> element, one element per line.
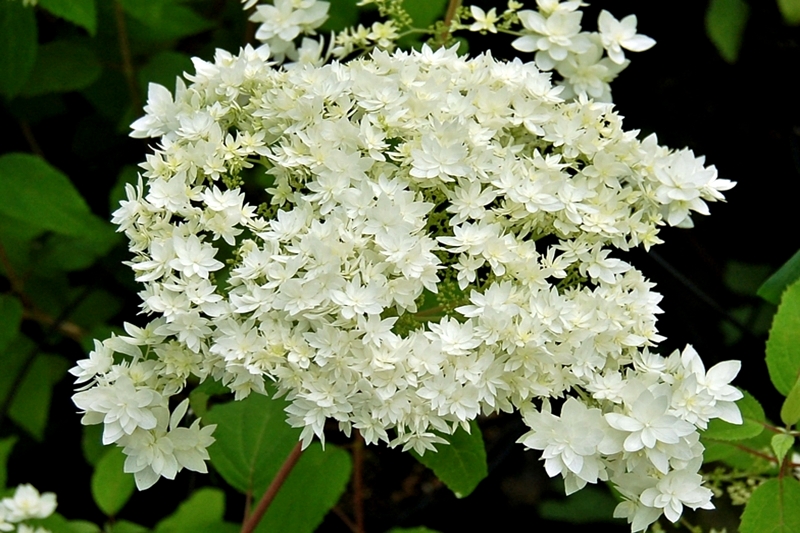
<point x="790" y="9"/>
<point x="425" y="12"/>
<point x="774" y="507"/>
<point x="62" y="253"/>
<point x="96" y="308"/>
<point x="38" y="195"/>
<point x="111" y="486"/>
<point x="591" y="504"/>
<point x="725" y="23"/>
<point x="783" y="345"/>
<point x="6" y="445"/>
<point x="781" y="444"/>
<point x="80" y="12"/>
<point x="62" y="66"/>
<point x="13" y="360"/>
<point x="30" y="407"/>
<point x="751" y="426"/>
<point x="123" y="526"/>
<point x="745" y="278"/>
<point x="342" y="14"/>
<point x="461" y="465"/>
<point x="313" y="487"/>
<point x="163" y="68"/>
<point x="10" y="319"/>
<point x="253" y="440"/>
<point x="55" y="523"/>
<point x="18" y="39"/>
<point x="167" y="18"/>
<point x="772" y="289"/>
<point x="109" y="96"/>
<point x="203" y="511"/>
<point x="92" y="444"/>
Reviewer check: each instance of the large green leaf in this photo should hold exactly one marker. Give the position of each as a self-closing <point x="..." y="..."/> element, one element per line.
<point x="111" y="486"/>
<point x="461" y="465"/>
<point x="123" y="526"/>
<point x="314" y="486"/>
<point x="772" y="289"/>
<point x="6" y="445"/>
<point x="36" y="194"/>
<point x="168" y="19"/>
<point x="18" y="39"/>
<point x="10" y="320"/>
<point x="203" y="511"/>
<point x="62" y="66"/>
<point x="253" y="440"/>
<point x="774" y="507"/>
<point x="725" y="23"/>
<point x="30" y="406"/>
<point x="783" y="345"/>
<point x="790" y="9"/>
<point x="80" y="12"/>
<point x="752" y="422"/>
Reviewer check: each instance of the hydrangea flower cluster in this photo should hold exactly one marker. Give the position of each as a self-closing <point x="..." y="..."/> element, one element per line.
<point x="402" y="243"/>
<point x="26" y="504"/>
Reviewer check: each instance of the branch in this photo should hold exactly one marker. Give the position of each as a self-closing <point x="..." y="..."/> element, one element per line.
<point x="277" y="482"/>
<point x="125" y="53"/>
<point x="452" y="8"/>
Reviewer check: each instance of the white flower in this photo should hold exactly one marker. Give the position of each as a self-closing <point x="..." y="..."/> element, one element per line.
<point x="28" y="503"/>
<point x="617" y="35"/>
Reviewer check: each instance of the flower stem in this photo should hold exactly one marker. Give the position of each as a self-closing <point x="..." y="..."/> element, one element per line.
<point x="252" y="521"/>
<point x="452" y="7"/>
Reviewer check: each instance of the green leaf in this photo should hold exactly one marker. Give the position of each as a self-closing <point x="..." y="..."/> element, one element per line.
<point x="167" y="18"/>
<point x="790" y="9"/>
<point x="772" y="289"/>
<point x="123" y="526"/>
<point x="62" y="66"/>
<point x="203" y="511"/>
<point x="591" y="504"/>
<point x="36" y="194"/>
<point x="725" y="23"/>
<point x="342" y="14"/>
<point x="732" y="454"/>
<point x="92" y="444"/>
<point x="461" y="465"/>
<point x="111" y="486"/>
<point x="10" y="319"/>
<point x="790" y="410"/>
<point x="783" y="344"/>
<point x="6" y="445"/>
<point x="313" y="487"/>
<point x="253" y="440"/>
<point x="752" y="422"/>
<point x="774" y="507"/>
<point x="18" y="38"/>
<point x="82" y="13"/>
<point x="30" y="407"/>
<point x="781" y="444"/>
<point x="14" y="359"/>
<point x="58" y="524"/>
<point x="63" y="253"/>
<point x="745" y="278"/>
<point x="425" y="12"/>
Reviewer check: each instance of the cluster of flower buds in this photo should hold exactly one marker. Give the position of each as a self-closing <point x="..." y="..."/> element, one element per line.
<point x="402" y="243"/>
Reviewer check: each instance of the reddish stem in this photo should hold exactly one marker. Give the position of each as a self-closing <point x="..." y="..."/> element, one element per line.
<point x="252" y="521"/>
